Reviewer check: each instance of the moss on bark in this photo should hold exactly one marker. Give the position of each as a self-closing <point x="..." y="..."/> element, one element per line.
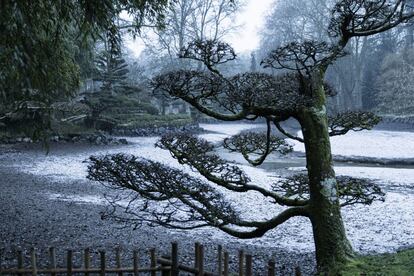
<point x="331" y="244"/>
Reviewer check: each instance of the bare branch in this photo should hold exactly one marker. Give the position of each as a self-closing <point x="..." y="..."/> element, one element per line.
<point x="287" y="134"/>
<point x="261" y="144"/>
<point x="352" y="18"/>
<point x="199" y="89"/>
<point x="209" y="52"/>
<point x="302" y="56"/>
<point x="266" y="95"/>
<point x="179" y="197"/>
<point x="342" y="123"/>
<point x="268" y="225"/>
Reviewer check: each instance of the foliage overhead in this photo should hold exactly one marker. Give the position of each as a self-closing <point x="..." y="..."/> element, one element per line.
<point x="40" y="41"/>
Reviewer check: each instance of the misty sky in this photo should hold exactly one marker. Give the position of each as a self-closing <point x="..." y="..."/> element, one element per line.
<point x="251" y="20"/>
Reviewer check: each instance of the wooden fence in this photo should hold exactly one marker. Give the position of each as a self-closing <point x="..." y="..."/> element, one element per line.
<point x="161" y="265"/>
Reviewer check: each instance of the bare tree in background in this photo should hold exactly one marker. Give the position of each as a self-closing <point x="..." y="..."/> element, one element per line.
<point x="351" y="76"/>
<point x="188" y="20"/>
<point x="186" y="202"/>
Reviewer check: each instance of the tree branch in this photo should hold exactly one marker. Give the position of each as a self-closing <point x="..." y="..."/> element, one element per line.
<point x="353" y="18"/>
<point x="350" y="190"/>
<point x="243" y="95"/>
<point x="197" y="89"/>
<point x="287" y="134"/>
<point x="302" y="56"/>
<point x="210" y="52"/>
<point x="268" y="225"/>
<point x="197" y="153"/>
<point x="342" y="123"/>
<point x="256" y="143"/>
<point x="152" y="193"/>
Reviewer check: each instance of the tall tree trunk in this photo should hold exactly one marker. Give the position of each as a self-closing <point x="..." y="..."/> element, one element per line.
<point x="331" y="244"/>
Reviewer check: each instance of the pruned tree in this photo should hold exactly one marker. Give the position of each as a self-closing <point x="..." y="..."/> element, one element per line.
<point x="187" y="21"/>
<point x="299" y="94"/>
<point x="396" y="84"/>
<point x="112" y="71"/>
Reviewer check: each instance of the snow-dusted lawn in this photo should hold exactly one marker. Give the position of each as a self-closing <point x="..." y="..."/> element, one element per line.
<point x="380" y="227"/>
<point x="396" y="176"/>
<point x="371" y="143"/>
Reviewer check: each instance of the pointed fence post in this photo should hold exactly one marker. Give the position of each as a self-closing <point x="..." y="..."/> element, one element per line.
<point x="34" y="262"/>
<point x="118" y="259"/>
<point x="136" y="262"/>
<point x="220" y="260"/>
<point x="52" y="264"/>
<point x="1" y="264"/>
<point x="103" y="263"/>
<point x="86" y="260"/>
<point x="226" y="264"/>
<point x="69" y="262"/>
<point x="249" y="265"/>
<point x="153" y="262"/>
<point x="200" y="254"/>
<point x="19" y="261"/>
<point x="174" y="259"/>
<point x="241" y="262"/>
<point x="196" y="245"/>
<point x="271" y="268"/>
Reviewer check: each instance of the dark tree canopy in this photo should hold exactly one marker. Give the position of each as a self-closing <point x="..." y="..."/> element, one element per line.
<point x="41" y="40"/>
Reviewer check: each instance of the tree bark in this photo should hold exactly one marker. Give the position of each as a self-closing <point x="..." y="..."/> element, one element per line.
<point x="331" y="244"/>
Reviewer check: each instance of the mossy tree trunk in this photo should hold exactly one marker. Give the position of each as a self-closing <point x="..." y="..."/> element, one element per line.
<point x="331" y="243"/>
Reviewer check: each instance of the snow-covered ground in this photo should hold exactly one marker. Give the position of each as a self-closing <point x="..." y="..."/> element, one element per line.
<point x="380" y="227"/>
<point x="371" y="143"/>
